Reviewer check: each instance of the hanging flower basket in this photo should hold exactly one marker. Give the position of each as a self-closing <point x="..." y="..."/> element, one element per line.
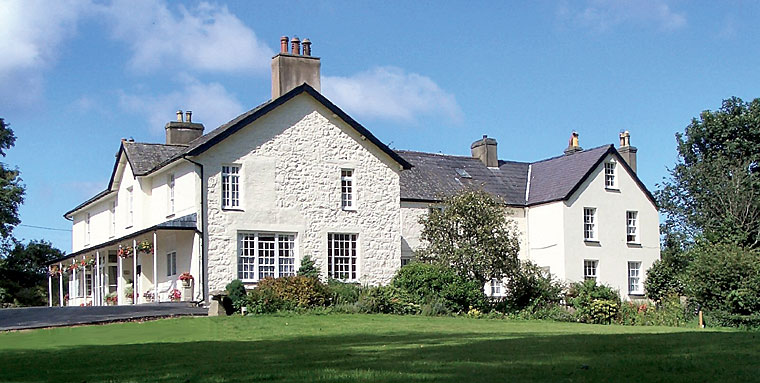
<point x="54" y="271"/>
<point x="125" y="252"/>
<point x="90" y="262"/>
<point x="145" y="247"/>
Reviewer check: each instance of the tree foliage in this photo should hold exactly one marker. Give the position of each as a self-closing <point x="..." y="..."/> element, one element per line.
<point x="11" y="188"/>
<point x="473" y="235"/>
<point x="714" y="189"/>
<point x="23" y="274"/>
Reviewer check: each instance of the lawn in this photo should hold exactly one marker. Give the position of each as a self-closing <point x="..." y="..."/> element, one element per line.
<point x="376" y="348"/>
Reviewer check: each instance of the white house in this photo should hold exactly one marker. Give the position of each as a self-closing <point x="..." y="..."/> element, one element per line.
<point x="297" y="176"/>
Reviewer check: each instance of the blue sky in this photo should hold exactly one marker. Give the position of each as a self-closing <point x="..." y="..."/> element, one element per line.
<point x="431" y="76"/>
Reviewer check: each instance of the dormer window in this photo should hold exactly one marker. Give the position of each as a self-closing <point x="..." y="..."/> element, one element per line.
<point x="610" y="175"/>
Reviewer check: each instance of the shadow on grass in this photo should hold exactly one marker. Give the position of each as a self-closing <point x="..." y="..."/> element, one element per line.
<point x="413" y="357"/>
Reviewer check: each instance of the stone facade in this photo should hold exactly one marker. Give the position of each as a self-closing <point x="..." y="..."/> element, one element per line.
<point x="291" y="160"/>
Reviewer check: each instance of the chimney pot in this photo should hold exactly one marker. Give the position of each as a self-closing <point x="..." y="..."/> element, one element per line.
<point x="573" y="144"/>
<point x="189" y="116"/>
<point x="627" y="151"/>
<point x="295" y="46"/>
<point x="179" y="116"/>
<point x="306" y="47"/>
<point x="284" y="44"/>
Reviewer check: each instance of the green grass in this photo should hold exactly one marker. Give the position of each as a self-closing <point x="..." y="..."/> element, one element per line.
<point x="375" y="348"/>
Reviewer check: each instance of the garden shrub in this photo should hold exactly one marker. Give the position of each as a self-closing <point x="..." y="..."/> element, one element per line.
<point x="530" y="287"/>
<point x="582" y="295"/>
<point x="603" y="311"/>
<point x="236" y="293"/>
<point x="554" y="312"/>
<point x="725" y="277"/>
<point x="308" y="268"/>
<point x="264" y="301"/>
<point x="719" y="318"/>
<point x="343" y="293"/>
<point x="387" y="300"/>
<point x="297" y="291"/>
<point x="426" y="283"/>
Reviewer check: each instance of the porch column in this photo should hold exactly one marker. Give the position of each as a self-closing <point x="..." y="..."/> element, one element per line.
<point x="60" y="284"/>
<point x="50" y="289"/>
<point x="92" y="285"/>
<point x="72" y="294"/>
<point x="155" y="268"/>
<point x="119" y="291"/>
<point x="98" y="282"/>
<point x="84" y="284"/>
<point x="134" y="271"/>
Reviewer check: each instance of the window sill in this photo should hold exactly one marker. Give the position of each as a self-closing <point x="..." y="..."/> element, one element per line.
<point x="612" y="189"/>
<point x="170" y="215"/>
<point x="633" y="244"/>
<point x="128" y="227"/>
<point x="232" y="209"/>
<point x="638" y="294"/>
<point x="592" y="242"/>
<point x="348" y="209"/>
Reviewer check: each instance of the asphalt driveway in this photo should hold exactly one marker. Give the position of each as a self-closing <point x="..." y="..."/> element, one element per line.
<point x="38" y="317"/>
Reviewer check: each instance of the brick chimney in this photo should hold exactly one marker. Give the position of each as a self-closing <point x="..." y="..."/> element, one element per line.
<point x="485" y="150"/>
<point x="573" y="145"/>
<point x="291" y="69"/>
<point x="182" y="131"/>
<point x="627" y="151"/>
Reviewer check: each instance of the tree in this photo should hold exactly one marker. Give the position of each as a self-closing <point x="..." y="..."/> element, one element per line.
<point x="667" y="276"/>
<point x="714" y="190"/>
<point x="308" y="268"/>
<point x="473" y="235"/>
<point x="23" y="273"/>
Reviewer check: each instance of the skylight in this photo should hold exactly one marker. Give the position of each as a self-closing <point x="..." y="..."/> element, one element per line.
<point x="463" y="173"/>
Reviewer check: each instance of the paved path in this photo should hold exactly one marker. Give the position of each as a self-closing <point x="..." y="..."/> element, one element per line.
<point x="37" y="317"/>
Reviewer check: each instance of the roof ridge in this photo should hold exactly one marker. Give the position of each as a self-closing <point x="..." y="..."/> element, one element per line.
<point x="565" y="155"/>
<point x="435" y="154"/>
<point x="154" y="143"/>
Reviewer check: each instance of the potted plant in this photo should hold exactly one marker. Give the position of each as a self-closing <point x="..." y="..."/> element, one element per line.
<point x="112" y="299"/>
<point x="149" y="296"/>
<point x="145" y="247"/>
<point x="175" y="295"/>
<point x="129" y="294"/>
<point x="186" y="279"/>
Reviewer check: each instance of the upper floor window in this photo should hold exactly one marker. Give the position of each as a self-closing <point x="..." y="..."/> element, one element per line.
<point x="589" y="224"/>
<point x="170" y="202"/>
<point x="610" y="175"/>
<point x="230" y="186"/>
<point x="87" y="229"/>
<point x="130" y="206"/>
<point x="632" y="226"/>
<point x="589" y="269"/>
<point x="263" y="255"/>
<point x="634" y="277"/>
<point x="112" y="216"/>
<point x="347" y="195"/>
<point x="342" y="256"/>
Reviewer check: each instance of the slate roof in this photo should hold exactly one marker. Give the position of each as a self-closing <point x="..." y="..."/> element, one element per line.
<point x="555" y="179"/>
<point x="435" y="176"/>
<point x="145" y="158"/>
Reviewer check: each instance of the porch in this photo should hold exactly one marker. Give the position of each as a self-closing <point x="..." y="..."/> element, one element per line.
<point x="160" y="264"/>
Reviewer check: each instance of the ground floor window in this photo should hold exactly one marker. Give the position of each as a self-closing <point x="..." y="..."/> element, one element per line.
<point x="171" y="264"/>
<point x="341" y="256"/>
<point x="262" y="255"/>
<point x="497" y="287"/>
<point x="405" y="261"/>
<point x="589" y="269"/>
<point x="634" y="277"/>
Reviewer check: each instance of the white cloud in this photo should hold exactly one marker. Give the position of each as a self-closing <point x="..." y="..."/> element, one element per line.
<point x="211" y="104"/>
<point x="205" y="38"/>
<point x="31" y="32"/>
<point x="390" y="93"/>
<point x="601" y="15"/>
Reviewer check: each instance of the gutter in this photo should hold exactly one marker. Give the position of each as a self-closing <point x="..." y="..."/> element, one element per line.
<point x="202" y="220"/>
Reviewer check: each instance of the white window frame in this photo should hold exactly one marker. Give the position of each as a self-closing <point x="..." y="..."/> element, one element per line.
<point x="171" y="263"/>
<point x="591" y="269"/>
<point x="590" y="224"/>
<point x="632" y="226"/>
<point x="347" y="189"/>
<point x="87" y="228"/>
<point x="170" y="182"/>
<point x="255" y="260"/>
<point x="610" y="175"/>
<point x="634" y="278"/>
<point x="130" y="207"/>
<point x="343" y="247"/>
<point x="112" y="216"/>
<point x="497" y="287"/>
<point x="231" y="193"/>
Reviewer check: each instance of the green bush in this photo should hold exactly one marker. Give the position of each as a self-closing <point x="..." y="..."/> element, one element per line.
<point x="236" y="292"/>
<point x="426" y="283"/>
<point x="719" y="318"/>
<point x="387" y="300"/>
<point x="603" y="311"/>
<point x="308" y="268"/>
<point x="582" y="295"/>
<point x="530" y="287"/>
<point x="343" y="293"/>
<point x="552" y="312"/>
<point x="297" y="291"/>
<point x="725" y="277"/>
<point x="264" y="301"/>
